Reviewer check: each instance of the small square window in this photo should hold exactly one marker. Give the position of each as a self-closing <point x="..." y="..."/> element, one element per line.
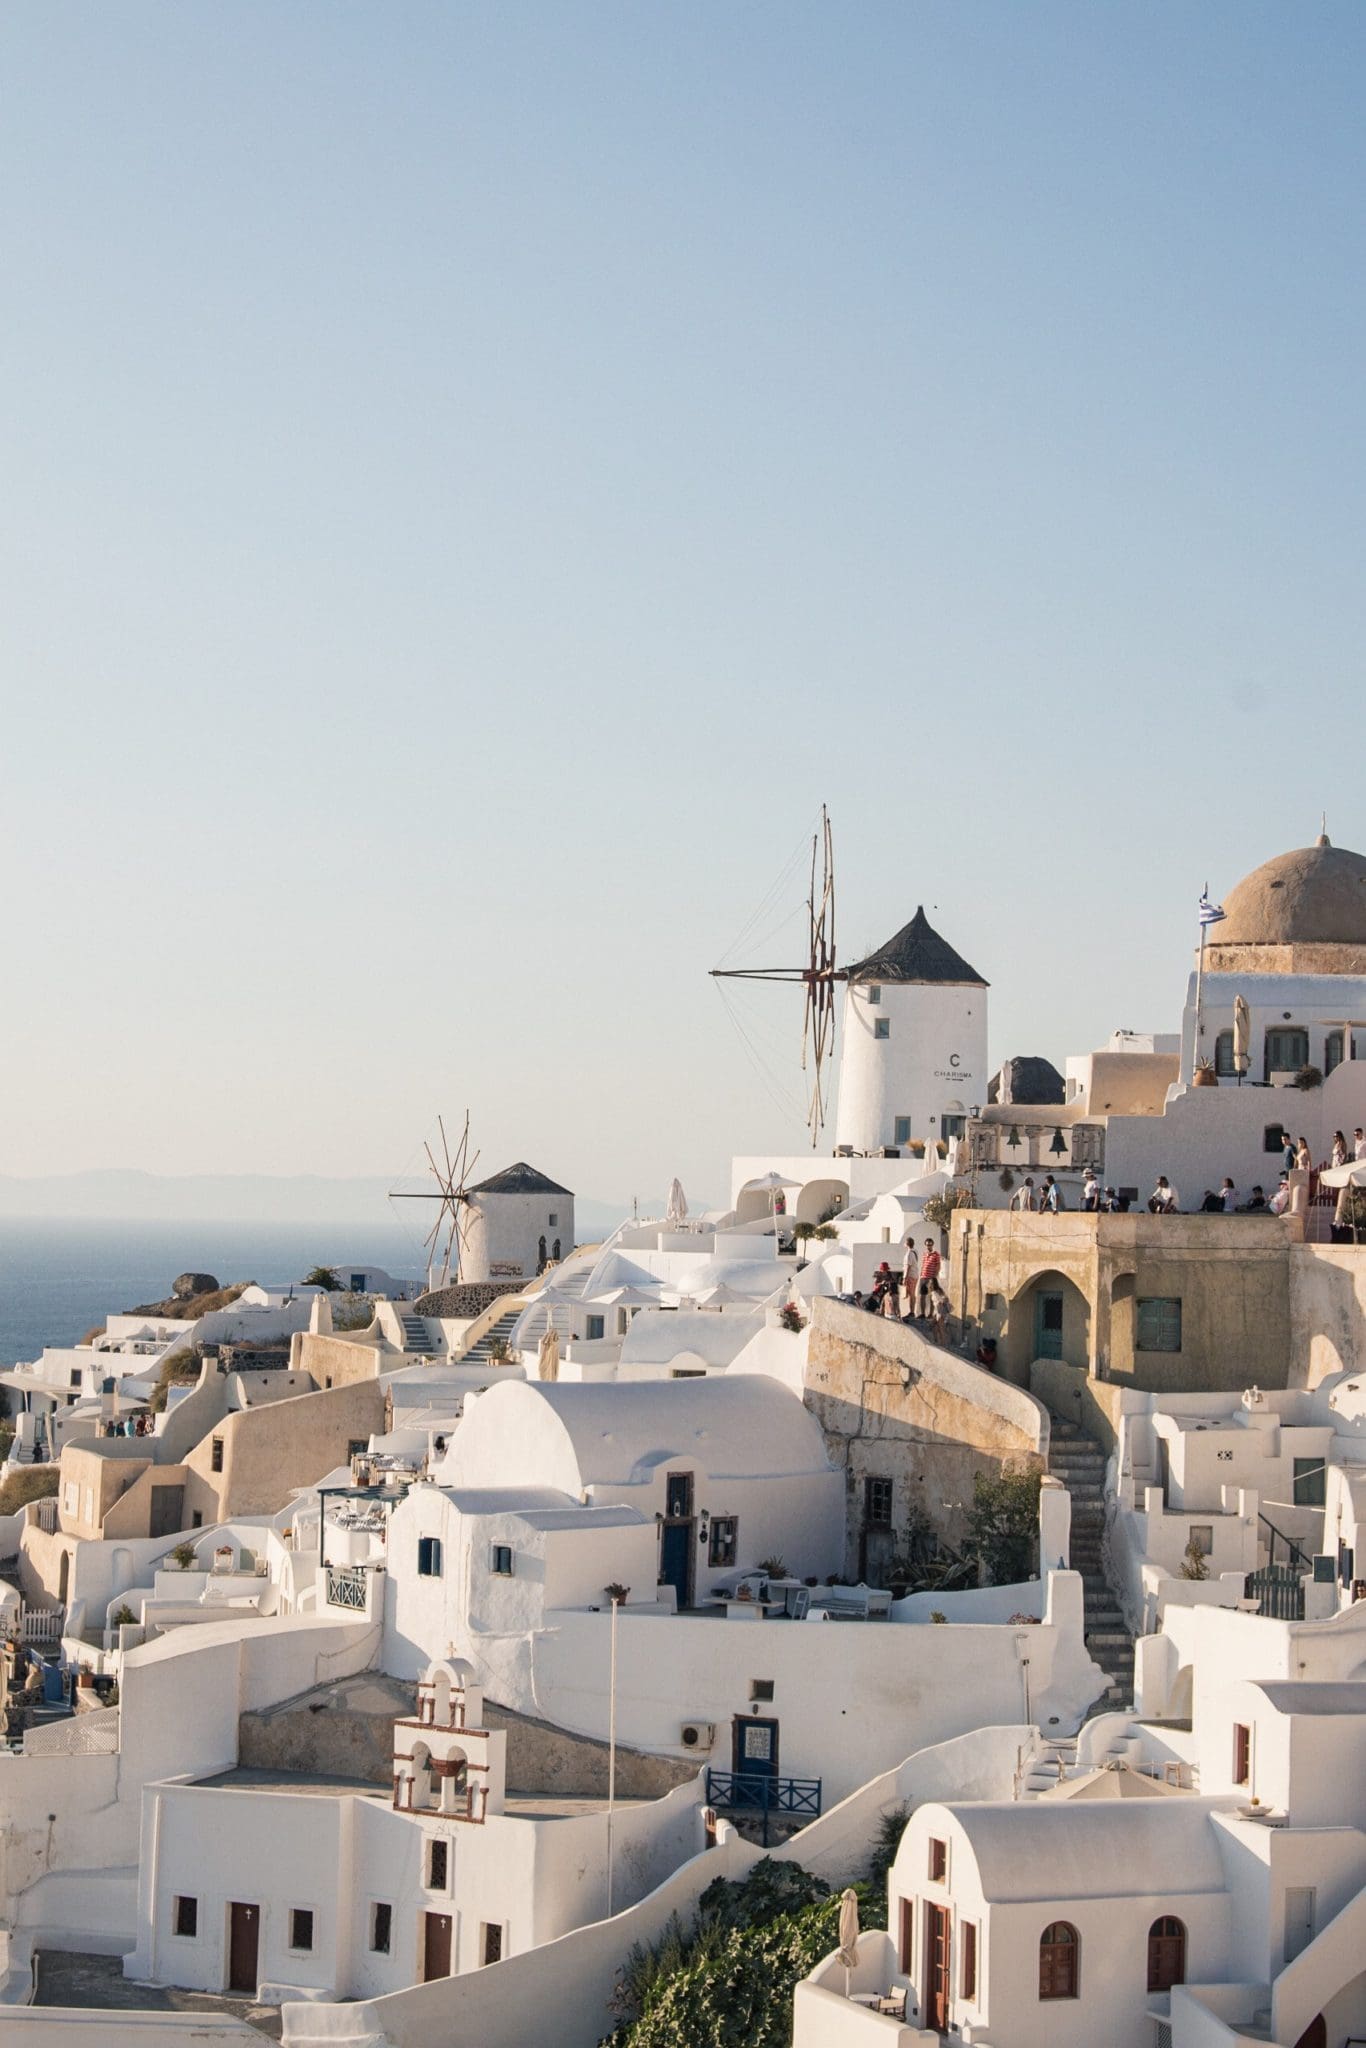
<point x="1311" y="1481"/>
<point x="724" y="1532"/>
<point x="877" y="1503"/>
<point x="1158" y="1324"/>
<point x="882" y="1027"/>
<point x="429" y="1557"/>
<point x="901" y="1130"/>
<point x="500" y="1560"/>
<point x="874" y="993"/>
<point x="1202" y="1538"/>
<point x="554" y="1218"/>
<point x="596" y="1328"/>
<point x="438" y="1864"/>
<point x="760" y="1689"/>
<point x="76" y="1377"/>
<point x="381" y="1928"/>
<point x="187" y="1918"/>
<point x="490" y="1942"/>
<point x="301" y="1928"/>
<point x="216" y="1454"/>
<point x="939" y="1861"/>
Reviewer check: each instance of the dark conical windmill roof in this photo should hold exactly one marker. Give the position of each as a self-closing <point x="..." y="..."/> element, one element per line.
<point x="520" y="1179"/>
<point x="916" y="953"/>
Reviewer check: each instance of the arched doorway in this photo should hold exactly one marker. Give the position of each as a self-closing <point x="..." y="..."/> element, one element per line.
<point x="1049" y="1318"/>
<point x="820" y="1199"/>
<point x="1166" y="1953"/>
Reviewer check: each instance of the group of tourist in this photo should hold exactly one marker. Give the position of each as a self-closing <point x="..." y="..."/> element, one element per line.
<point x="916" y="1285"/>
<point x="131" y="1425"/>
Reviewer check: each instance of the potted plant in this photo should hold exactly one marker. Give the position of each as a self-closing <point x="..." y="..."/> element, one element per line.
<point x="791" y="1318"/>
<point x="617" y="1594"/>
<point x="500" y="1352"/>
<point x="773" y="1567"/>
<point x="184" y="1556"/>
<point x="123" y="1617"/>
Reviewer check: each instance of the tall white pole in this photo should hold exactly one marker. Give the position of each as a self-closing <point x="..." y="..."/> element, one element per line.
<point x="611" y="1751"/>
<point x="1199" y="987"/>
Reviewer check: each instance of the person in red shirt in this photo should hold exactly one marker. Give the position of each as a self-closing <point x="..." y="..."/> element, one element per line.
<point x="929" y="1277"/>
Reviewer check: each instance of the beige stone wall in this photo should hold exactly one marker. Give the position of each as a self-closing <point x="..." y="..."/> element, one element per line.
<point x="347" y="1729"/>
<point x="267" y="1452"/>
<point x="892" y="1406"/>
<point x="336" y="1361"/>
<point x="1230" y="1273"/>
<point x="103" y="1476"/>
<point x="1327" y="1310"/>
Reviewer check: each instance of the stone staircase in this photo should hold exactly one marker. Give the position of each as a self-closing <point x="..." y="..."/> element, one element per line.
<point x="478" y="1354"/>
<point x="416" y="1336"/>
<point x="1079" y="1462"/>
<point x="1056" y="1759"/>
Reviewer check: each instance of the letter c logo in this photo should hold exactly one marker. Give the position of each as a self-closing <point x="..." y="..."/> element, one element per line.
<point x="953" y="1059"/>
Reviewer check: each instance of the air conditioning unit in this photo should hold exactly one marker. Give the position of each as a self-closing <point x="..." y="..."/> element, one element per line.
<point x="698" y="1734"/>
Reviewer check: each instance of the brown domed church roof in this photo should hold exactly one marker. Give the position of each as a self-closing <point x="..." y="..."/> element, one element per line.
<point x="916" y="953"/>
<point x="1303" y="912"/>
<point x="1316" y="896"/>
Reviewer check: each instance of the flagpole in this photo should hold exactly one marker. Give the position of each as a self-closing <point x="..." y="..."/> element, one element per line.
<point x="1199" y="988"/>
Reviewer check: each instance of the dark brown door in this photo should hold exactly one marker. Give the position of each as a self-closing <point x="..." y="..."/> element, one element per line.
<point x="1315" y="2034"/>
<point x="167" y="1512"/>
<point x="244" y="1943"/>
<point x="937" y="1967"/>
<point x="904" y="1949"/>
<point x="436" y="1946"/>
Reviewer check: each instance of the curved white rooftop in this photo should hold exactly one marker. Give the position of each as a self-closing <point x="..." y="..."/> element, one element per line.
<point x="572" y="1436"/>
<point x="1078" y="1850"/>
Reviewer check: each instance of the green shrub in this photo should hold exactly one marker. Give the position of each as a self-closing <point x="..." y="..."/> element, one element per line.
<point x="30" y="1482"/>
<point x="891" y="1826"/>
<point x="324" y="1277"/>
<point x="728" y="1981"/>
<point x="1003" y="1525"/>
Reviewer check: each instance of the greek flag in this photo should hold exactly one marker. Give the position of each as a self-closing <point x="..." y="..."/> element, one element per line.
<point x="1210" y="913"/>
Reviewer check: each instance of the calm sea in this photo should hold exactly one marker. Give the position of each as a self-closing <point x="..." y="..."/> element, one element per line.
<point x="58" y="1279"/>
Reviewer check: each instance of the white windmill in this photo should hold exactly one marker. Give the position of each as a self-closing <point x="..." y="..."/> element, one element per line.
<point x="451" y="1194"/>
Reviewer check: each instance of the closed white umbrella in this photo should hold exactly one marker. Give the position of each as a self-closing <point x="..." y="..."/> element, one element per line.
<point x="849" y="1933"/>
<point x="677" y="1207"/>
<point x="1242" y="1036"/>
<point x="548" y="1354"/>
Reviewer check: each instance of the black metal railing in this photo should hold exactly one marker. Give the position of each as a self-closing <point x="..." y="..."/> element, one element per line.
<point x="346" y="1587"/>
<point x="1278" y="1590"/>
<point x="747" y="1793"/>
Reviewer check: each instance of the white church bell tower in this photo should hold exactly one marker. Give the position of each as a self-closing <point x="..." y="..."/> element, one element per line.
<point x="913" y="1062"/>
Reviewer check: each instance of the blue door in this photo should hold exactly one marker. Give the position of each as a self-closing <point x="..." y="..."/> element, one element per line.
<point x="675" y="1559"/>
<point x="1048" y="1326"/>
<point x="756" y="1748"/>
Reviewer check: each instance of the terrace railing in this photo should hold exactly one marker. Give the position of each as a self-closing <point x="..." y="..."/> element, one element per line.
<point x="746" y="1794"/>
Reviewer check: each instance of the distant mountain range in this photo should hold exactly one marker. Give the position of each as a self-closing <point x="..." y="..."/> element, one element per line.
<point x="122" y="1194"/>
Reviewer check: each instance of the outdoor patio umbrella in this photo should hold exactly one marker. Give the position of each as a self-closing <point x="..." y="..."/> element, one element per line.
<point x="849" y="1933"/>
<point x="548" y="1354"/>
<point x="1242" y="1036"/>
<point x="677" y="1207"/>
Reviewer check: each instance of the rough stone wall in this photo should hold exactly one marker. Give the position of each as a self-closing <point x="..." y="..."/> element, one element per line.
<point x="335" y="1361"/>
<point x="347" y="1730"/>
<point x="463" y="1302"/>
<point x="892" y="1406"/>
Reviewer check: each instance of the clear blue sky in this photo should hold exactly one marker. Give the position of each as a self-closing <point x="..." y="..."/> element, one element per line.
<point x="477" y="478"/>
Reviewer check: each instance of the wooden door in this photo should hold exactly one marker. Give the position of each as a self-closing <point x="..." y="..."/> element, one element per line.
<point x="244" y="1946"/>
<point x="167" y="1511"/>
<point x="936" y="1972"/>
<point x="436" y="1946"/>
